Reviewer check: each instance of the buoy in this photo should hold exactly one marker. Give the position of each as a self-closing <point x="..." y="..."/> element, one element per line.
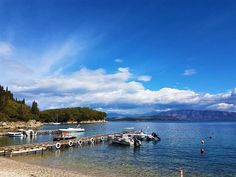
<point x="58" y="145"/>
<point x="92" y="140"/>
<point x="70" y="143"/>
<point x="202" y="141"/>
<point x="80" y="142"/>
<point x="202" y="151"/>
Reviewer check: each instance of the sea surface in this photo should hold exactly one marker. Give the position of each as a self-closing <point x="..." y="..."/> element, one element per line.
<point x="179" y="148"/>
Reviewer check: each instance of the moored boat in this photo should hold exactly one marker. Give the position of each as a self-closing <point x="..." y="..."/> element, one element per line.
<point x="69" y="130"/>
<point x="15" y="134"/>
<point x="126" y="140"/>
<point x="55" y="123"/>
<point x="59" y="138"/>
<point x="72" y="130"/>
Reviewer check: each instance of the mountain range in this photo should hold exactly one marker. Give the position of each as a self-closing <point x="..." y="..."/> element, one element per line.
<point x="182" y="115"/>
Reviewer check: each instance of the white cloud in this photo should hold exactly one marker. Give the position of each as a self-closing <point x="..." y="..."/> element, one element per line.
<point x="120" y="92"/>
<point x="222" y="106"/>
<point x="189" y="72"/>
<point x="118" y="60"/>
<point x="5" y="48"/>
<point x="26" y="66"/>
<point x="144" y="78"/>
<point x="115" y="92"/>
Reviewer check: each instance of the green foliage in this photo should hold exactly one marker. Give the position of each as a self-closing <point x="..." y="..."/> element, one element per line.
<point x="12" y="109"/>
<point x="71" y="114"/>
<point x="16" y="110"/>
<point x="34" y="108"/>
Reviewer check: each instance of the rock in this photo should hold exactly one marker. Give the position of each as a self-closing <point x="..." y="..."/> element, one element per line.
<point x="2" y="124"/>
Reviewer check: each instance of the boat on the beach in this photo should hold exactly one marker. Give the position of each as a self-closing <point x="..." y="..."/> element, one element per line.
<point x="15" y="134"/>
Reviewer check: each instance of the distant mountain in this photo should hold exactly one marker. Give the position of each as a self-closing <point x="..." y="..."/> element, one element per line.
<point x="184" y="115"/>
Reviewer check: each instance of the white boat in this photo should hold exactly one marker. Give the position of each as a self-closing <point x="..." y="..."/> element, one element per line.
<point x="55" y="123"/>
<point x="15" y="134"/>
<point x="126" y="140"/>
<point x="70" y="130"/>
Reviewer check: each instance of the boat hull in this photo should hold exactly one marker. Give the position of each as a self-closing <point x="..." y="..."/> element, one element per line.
<point x="72" y="130"/>
<point x="15" y="134"/>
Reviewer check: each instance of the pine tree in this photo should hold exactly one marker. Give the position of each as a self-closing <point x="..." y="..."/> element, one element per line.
<point x="34" y="108"/>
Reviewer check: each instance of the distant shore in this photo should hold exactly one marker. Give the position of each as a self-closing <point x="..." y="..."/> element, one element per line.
<point x="12" y="168"/>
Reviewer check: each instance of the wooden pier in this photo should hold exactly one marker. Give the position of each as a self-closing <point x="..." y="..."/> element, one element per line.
<point x="41" y="147"/>
<point x="39" y="132"/>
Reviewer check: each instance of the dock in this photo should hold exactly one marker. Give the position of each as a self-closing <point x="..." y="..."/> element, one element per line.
<point x="39" y="132"/>
<point x="9" y="151"/>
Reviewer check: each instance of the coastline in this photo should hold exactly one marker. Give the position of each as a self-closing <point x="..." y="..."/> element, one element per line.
<point x="8" y="169"/>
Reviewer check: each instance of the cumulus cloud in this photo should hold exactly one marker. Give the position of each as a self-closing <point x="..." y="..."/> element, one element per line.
<point x="116" y="92"/>
<point x="144" y="78"/>
<point x="189" y="72"/>
<point x="118" y="60"/>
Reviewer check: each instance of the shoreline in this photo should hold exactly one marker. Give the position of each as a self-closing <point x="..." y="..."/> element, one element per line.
<point x="8" y="169"/>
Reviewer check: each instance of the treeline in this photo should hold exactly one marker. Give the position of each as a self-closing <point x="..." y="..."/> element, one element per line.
<point x="12" y="109"/>
<point x="71" y="114"/>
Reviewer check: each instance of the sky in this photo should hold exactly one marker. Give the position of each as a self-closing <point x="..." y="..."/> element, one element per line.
<point x="120" y="56"/>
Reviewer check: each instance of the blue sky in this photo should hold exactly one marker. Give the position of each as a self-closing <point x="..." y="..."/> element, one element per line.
<point x="134" y="56"/>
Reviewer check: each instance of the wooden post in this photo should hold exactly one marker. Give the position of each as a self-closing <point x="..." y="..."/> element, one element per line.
<point x="181" y="173"/>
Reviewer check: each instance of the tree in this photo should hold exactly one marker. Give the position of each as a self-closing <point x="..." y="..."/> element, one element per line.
<point x="34" y="108"/>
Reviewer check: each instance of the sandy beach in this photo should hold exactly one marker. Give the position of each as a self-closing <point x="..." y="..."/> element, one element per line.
<point x="12" y="168"/>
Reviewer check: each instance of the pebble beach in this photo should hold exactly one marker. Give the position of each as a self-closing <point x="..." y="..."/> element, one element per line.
<point x="12" y="168"/>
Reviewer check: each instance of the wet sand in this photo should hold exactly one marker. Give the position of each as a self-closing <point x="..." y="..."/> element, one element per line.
<point x="12" y="168"/>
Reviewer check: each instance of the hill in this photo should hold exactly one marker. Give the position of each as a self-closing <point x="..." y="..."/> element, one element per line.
<point x="184" y="115"/>
<point x="71" y="114"/>
<point x="12" y="110"/>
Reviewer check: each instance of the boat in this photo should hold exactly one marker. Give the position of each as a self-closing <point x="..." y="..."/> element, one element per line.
<point x="55" y="123"/>
<point x="59" y="138"/>
<point x="72" y="130"/>
<point x="153" y="137"/>
<point x="140" y="135"/>
<point x="126" y="140"/>
<point x="15" y="134"/>
<point x="76" y="129"/>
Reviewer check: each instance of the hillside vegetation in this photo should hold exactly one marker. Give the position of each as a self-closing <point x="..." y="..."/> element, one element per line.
<point x="12" y="109"/>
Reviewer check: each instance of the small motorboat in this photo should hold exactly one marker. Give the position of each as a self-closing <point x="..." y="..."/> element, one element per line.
<point x="76" y="129"/>
<point x="15" y="134"/>
<point x="140" y="135"/>
<point x="126" y="140"/>
<point x="55" y="123"/>
<point x="72" y="130"/>
<point x="59" y="138"/>
<point x="153" y="137"/>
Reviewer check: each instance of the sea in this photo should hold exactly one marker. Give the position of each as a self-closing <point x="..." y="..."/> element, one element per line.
<point x="178" y="149"/>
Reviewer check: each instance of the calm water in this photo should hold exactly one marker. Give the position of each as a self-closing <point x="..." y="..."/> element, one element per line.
<point x="179" y="148"/>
